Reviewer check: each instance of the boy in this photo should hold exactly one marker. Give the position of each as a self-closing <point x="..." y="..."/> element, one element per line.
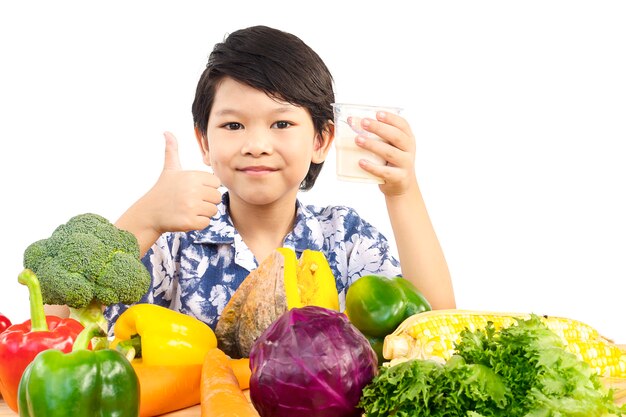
<point x="263" y="122"/>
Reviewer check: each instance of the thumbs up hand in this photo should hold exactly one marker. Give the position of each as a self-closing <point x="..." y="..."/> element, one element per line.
<point x="172" y="160"/>
<point x="181" y="200"/>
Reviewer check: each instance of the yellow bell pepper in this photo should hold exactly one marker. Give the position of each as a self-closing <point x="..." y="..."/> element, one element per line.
<point x="163" y="336"/>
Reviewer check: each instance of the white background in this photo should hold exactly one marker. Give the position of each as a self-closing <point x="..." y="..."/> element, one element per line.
<point x="518" y="109"/>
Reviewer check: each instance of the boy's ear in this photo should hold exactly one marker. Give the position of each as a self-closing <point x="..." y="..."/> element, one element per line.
<point x="322" y="144"/>
<point x="204" y="146"/>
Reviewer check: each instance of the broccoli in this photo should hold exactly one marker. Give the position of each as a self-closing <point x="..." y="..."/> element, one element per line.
<point x="88" y="263"/>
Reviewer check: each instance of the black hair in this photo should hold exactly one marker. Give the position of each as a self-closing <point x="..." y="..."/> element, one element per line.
<point x="277" y="63"/>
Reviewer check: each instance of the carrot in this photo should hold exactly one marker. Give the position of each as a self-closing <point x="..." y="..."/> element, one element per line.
<point x="165" y="388"/>
<point x="220" y="394"/>
<point x="169" y="388"/>
<point x="241" y="368"/>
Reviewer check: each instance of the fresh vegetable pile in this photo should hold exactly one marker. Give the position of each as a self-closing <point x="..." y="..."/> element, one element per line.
<point x="152" y="367"/>
<point x="520" y="370"/>
<point x="86" y="263"/>
<point x="305" y="357"/>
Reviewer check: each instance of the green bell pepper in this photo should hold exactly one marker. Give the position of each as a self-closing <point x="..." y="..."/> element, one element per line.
<point x="376" y="304"/>
<point x="377" y="344"/>
<point x="80" y="383"/>
<point x="415" y="300"/>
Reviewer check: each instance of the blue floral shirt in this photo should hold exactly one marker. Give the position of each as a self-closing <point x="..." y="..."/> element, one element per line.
<point x="197" y="272"/>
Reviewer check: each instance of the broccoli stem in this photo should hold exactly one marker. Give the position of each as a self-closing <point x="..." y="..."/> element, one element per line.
<point x="86" y="336"/>
<point x="130" y="348"/>
<point x="91" y="313"/>
<point x="38" y="321"/>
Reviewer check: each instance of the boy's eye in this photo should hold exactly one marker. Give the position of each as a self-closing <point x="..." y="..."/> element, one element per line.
<point x="281" y="124"/>
<point x="233" y="126"/>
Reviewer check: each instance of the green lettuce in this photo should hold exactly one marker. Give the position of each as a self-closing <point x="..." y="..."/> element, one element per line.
<point x="522" y="370"/>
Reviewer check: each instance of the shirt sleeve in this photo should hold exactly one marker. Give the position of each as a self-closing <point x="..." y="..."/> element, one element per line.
<point x="363" y="251"/>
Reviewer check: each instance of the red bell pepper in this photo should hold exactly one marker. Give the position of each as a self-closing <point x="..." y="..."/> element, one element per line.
<point x="20" y="343"/>
<point x="4" y="322"/>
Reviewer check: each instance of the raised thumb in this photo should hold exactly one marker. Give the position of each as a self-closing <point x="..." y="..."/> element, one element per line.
<point x="172" y="160"/>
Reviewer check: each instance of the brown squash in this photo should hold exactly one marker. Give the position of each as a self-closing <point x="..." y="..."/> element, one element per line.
<point x="281" y="282"/>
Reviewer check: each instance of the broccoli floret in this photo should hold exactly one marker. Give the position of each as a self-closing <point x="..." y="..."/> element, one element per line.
<point x="81" y="253"/>
<point x="87" y="263"/>
<point x="61" y="286"/>
<point x="36" y="253"/>
<point x="111" y="289"/>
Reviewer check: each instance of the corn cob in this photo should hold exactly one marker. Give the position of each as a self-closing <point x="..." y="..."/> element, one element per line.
<point x="432" y="334"/>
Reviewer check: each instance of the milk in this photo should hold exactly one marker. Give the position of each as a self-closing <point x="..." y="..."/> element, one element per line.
<point x="348" y="156"/>
<point x="348" y="153"/>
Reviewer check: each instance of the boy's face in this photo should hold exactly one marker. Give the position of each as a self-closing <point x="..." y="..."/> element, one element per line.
<point x="260" y="148"/>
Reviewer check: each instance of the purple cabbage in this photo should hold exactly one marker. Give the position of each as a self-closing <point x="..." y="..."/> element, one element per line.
<point x="310" y="362"/>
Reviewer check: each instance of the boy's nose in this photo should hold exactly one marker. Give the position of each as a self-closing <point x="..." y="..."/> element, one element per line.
<point x="257" y="143"/>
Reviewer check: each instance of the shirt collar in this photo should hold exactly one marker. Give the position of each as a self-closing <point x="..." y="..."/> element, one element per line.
<point x="306" y="234"/>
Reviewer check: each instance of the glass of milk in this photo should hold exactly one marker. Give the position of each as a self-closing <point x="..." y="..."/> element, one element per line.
<point x="347" y="127"/>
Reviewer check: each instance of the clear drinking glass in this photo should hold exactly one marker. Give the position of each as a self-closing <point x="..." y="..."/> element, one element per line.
<point x="347" y="127"/>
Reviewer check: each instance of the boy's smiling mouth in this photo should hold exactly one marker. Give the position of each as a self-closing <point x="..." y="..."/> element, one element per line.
<point x="257" y="170"/>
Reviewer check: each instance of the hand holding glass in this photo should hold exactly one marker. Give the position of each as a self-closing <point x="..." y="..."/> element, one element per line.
<point x="347" y="127"/>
